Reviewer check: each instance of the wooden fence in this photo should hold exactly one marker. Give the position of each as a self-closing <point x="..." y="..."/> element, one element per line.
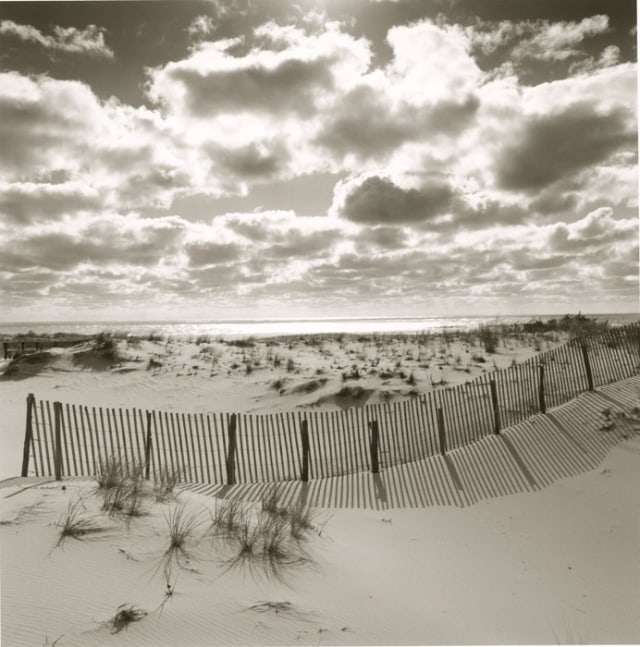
<point x="71" y="440"/>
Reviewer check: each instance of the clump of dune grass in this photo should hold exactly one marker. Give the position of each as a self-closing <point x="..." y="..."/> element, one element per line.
<point x="227" y="518"/>
<point x="121" y="485"/>
<point x="302" y="521"/>
<point x="165" y="483"/>
<point x="271" y="503"/>
<point x="263" y="547"/>
<point x="183" y="538"/>
<point x="276" y="607"/>
<point x="75" y="523"/>
<point x="489" y="338"/>
<point x="124" y="499"/>
<point x="110" y="472"/>
<point x="125" y="615"/>
<point x="311" y="386"/>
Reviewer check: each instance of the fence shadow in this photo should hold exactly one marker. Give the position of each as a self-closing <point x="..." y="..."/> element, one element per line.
<point x="526" y="458"/>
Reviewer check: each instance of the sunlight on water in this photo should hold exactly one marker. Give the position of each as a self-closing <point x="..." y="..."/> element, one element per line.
<point x="275" y="327"/>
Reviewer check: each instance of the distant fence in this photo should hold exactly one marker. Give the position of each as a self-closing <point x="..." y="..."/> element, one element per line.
<point x="70" y="439"/>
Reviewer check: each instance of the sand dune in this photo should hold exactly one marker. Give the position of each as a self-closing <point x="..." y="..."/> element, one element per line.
<point x="557" y="565"/>
<point x="398" y="558"/>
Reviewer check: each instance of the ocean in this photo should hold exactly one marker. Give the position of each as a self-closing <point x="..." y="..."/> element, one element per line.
<point x="235" y="328"/>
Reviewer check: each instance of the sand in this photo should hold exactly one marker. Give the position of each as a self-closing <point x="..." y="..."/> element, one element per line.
<point x="556" y="565"/>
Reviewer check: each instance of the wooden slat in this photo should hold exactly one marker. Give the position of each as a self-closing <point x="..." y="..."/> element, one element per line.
<point x="49" y="440"/>
<point x="73" y="444"/>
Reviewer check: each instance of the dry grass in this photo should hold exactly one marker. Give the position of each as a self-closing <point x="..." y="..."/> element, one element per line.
<point x="75" y="523"/>
<point x="110" y="472"/>
<point x="125" y="615"/>
<point x="183" y="538"/>
<point x="227" y="518"/>
<point x="165" y="483"/>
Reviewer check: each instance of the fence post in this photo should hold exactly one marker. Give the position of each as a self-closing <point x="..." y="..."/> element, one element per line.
<point x="442" y="439"/>
<point x="304" y="436"/>
<point x="494" y="404"/>
<point x="543" y="404"/>
<point x="28" y="436"/>
<point x="5" y="348"/>
<point x="57" y="456"/>
<point x="587" y="364"/>
<point x="373" y="447"/>
<point x="147" y="448"/>
<point x="231" y="452"/>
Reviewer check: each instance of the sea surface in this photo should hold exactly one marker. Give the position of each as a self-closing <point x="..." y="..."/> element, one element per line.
<point x="238" y="328"/>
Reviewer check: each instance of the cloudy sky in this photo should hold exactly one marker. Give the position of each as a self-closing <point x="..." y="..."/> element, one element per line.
<point x="245" y="158"/>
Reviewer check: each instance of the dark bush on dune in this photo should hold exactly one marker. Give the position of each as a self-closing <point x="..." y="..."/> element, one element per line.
<point x="26" y="365"/>
<point x="102" y="354"/>
<point x="311" y="386"/>
<point x="575" y="325"/>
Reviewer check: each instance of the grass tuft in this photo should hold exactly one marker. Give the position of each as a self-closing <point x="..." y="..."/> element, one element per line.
<point x="125" y="615"/>
<point x="228" y="517"/>
<point x="75" y="524"/>
<point x="165" y="483"/>
<point x="302" y="520"/>
<point x="183" y="537"/>
<point x="110" y="472"/>
<point x="271" y="503"/>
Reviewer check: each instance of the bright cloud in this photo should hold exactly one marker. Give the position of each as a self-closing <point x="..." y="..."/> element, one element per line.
<point x="89" y="40"/>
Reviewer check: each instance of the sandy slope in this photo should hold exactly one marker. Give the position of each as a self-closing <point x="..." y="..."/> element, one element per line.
<point x="558" y="565"/>
<point x="552" y="566"/>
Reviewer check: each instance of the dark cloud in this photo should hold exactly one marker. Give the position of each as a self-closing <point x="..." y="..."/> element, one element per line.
<point x="99" y="243"/>
<point x="26" y="203"/>
<point x="254" y="161"/>
<point x="550" y="202"/>
<point x="379" y="201"/>
<point x="300" y="244"/>
<point x="366" y="125"/>
<point x="289" y="86"/>
<point x="383" y="237"/>
<point x="208" y="253"/>
<point x="552" y="147"/>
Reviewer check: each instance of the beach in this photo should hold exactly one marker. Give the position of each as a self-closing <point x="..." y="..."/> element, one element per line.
<point x="555" y="564"/>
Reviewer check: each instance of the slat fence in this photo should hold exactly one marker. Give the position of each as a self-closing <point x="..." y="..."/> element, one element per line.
<point x="219" y="447"/>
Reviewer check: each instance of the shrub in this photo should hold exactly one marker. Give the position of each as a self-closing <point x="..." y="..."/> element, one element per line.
<point x="489" y="338"/>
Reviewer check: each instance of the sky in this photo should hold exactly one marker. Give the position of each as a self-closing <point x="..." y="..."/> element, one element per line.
<point x="249" y="159"/>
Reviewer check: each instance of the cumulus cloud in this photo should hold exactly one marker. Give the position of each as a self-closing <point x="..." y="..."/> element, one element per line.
<point x="97" y="240"/>
<point x="287" y="75"/>
<point x="536" y="39"/>
<point x="597" y="229"/>
<point x="555" y="145"/>
<point x="201" y="26"/>
<point x="89" y="40"/>
<point x="25" y="202"/>
<point x="377" y="200"/>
